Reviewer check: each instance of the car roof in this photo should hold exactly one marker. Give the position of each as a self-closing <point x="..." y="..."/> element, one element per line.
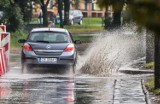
<point x="48" y="29"/>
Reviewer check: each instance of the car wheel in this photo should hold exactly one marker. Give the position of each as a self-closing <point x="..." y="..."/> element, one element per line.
<point x="72" y="22"/>
<point x="81" y="22"/>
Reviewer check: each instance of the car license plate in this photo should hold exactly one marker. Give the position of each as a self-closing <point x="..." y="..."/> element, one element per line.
<point x="48" y="60"/>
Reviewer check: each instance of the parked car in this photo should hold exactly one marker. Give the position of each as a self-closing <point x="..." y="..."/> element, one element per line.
<point x="75" y="16"/>
<point x="48" y="47"/>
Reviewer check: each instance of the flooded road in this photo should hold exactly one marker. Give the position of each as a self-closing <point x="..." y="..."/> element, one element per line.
<point x="53" y="87"/>
<point x="98" y="78"/>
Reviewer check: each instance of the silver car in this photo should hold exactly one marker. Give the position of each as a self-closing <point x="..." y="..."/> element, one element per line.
<point x="75" y="16"/>
<point x="48" y="47"/>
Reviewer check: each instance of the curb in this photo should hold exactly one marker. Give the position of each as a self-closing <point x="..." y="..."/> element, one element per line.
<point x="136" y="71"/>
<point x="146" y="93"/>
<point x="114" y="87"/>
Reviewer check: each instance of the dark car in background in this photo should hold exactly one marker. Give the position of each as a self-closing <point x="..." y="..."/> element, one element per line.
<point x="75" y="16"/>
<point x="48" y="47"/>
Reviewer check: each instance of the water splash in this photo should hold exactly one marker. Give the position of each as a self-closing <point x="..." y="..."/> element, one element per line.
<point x="111" y="50"/>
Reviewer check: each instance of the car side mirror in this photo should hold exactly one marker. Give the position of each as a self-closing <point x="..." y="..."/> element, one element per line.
<point x="77" y="42"/>
<point x="21" y="41"/>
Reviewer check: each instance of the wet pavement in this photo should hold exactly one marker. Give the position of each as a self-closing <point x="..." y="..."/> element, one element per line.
<point x="45" y="86"/>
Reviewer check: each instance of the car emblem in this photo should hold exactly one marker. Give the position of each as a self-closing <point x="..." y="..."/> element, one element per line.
<point x="48" y="46"/>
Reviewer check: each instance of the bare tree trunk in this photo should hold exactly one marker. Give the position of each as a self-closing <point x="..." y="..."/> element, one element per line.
<point x="149" y="47"/>
<point x="117" y="8"/>
<point x="45" y="16"/>
<point x="66" y="11"/>
<point x="106" y="11"/>
<point x="44" y="10"/>
<point x="116" y="19"/>
<point x="60" y="13"/>
<point x="157" y="62"/>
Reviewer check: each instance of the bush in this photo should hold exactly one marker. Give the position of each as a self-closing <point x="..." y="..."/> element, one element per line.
<point x="15" y="19"/>
<point x="15" y="36"/>
<point x="12" y="17"/>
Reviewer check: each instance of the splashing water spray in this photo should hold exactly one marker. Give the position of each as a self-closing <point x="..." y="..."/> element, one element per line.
<point x="111" y="50"/>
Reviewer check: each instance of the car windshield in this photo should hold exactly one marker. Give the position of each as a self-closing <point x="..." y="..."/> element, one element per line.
<point x="48" y="37"/>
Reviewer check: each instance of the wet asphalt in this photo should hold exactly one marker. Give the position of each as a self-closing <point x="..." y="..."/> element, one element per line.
<point x="40" y="86"/>
<point x="54" y="86"/>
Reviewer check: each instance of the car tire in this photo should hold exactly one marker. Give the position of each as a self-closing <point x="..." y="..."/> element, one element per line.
<point x="81" y="22"/>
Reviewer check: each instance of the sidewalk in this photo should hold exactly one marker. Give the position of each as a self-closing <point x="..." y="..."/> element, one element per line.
<point x="129" y="91"/>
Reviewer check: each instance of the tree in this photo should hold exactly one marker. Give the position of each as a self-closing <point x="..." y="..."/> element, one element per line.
<point x="146" y="13"/>
<point x="117" y="6"/>
<point x="60" y="12"/>
<point x="44" y="5"/>
<point x="77" y="4"/>
<point x="26" y="9"/>
<point x="14" y="19"/>
<point x="66" y="11"/>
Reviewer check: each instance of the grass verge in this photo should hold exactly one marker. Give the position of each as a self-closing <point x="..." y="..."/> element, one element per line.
<point x="19" y="34"/>
<point x="150" y="86"/>
<point x="84" y="29"/>
<point x="89" y="25"/>
<point x="149" y="65"/>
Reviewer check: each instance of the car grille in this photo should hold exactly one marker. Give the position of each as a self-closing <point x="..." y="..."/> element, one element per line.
<point x="48" y="52"/>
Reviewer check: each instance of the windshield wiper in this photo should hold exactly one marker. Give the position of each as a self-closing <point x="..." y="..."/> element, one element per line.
<point x="42" y="41"/>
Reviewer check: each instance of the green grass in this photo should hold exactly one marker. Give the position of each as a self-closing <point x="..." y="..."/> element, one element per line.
<point x="92" y="21"/>
<point x="84" y="29"/>
<point x="149" y="65"/>
<point x="89" y="25"/>
<point x="19" y="34"/>
<point x="150" y="86"/>
<point x="34" y="21"/>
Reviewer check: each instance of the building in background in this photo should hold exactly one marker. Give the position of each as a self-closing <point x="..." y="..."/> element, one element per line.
<point x="89" y="8"/>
